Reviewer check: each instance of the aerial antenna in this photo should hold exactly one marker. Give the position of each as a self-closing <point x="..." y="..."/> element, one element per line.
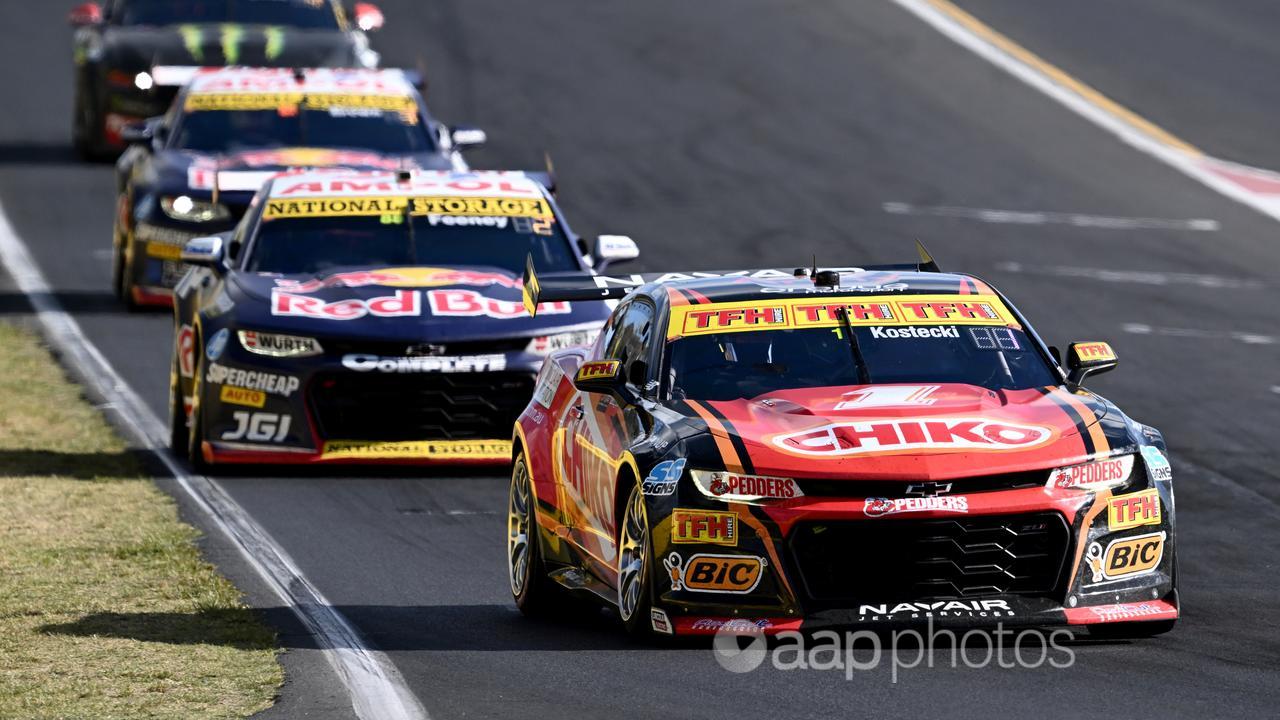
<point x="927" y="263"/>
<point x="551" y="170"/>
<point x="217" y="172"/>
<point x="422" y="76"/>
<point x="813" y="274"/>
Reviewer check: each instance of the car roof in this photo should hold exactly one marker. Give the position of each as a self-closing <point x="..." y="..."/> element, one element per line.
<point x="779" y="284"/>
<point x="409" y="183"/>
<point x="323" y="81"/>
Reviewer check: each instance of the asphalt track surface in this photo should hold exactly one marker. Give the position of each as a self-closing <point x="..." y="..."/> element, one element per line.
<point x="758" y="133"/>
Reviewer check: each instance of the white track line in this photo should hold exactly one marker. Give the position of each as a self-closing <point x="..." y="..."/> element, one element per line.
<point x="1188" y="163"/>
<point x="1134" y="277"/>
<point x="1035" y="217"/>
<point x="1242" y="337"/>
<point x="378" y="692"/>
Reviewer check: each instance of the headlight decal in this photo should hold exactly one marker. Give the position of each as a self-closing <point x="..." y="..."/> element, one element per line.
<point x="274" y="345"/>
<point x="1093" y="475"/>
<point x="187" y="209"/>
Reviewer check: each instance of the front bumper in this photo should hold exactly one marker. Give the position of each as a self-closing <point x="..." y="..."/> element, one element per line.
<point x="318" y="410"/>
<point x="1032" y="556"/>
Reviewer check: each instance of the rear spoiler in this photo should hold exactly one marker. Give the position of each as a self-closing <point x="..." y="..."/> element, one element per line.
<point x="175" y="75"/>
<point x="577" y="286"/>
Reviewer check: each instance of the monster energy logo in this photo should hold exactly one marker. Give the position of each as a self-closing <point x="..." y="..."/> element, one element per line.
<point x="231" y="38"/>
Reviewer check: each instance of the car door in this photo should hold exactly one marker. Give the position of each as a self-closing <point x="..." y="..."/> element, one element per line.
<point x="597" y="434"/>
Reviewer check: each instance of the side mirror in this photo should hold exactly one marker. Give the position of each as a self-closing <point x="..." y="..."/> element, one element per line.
<point x="611" y="249"/>
<point x="137" y="133"/>
<point x="1089" y="358"/>
<point x="369" y="17"/>
<point x="600" y="376"/>
<point x="468" y="138"/>
<point x="85" y="14"/>
<point x="206" y="252"/>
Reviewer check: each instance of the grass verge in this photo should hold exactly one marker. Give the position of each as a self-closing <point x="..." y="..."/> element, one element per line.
<point x="106" y="609"/>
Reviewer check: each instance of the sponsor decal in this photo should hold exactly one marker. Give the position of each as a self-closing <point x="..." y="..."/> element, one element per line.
<point x="704" y="527"/>
<point x="548" y="382"/>
<point x="163" y="252"/>
<point x="1130" y="611"/>
<point x="663" y="478"/>
<point x="268" y="382"/>
<point x="802" y="290"/>
<point x="1133" y="510"/>
<point x="186" y="349"/>
<point x="732" y="487"/>
<point x="291" y="102"/>
<point x="731" y="624"/>
<point x="401" y="277"/>
<point x="1099" y="473"/>
<point x="660" y="622"/>
<point x="259" y="427"/>
<point x="404" y="303"/>
<point x="940" y="609"/>
<point x="439" y="208"/>
<point x="273" y="345"/>
<point x="217" y="345"/>
<point x="1094" y="352"/>
<point x="417" y="450"/>
<point x="473" y="184"/>
<point x="1157" y="464"/>
<point x="469" y="303"/>
<point x="156" y="235"/>
<point x="242" y="396"/>
<point x="878" y="507"/>
<point x="1126" y="557"/>
<point x="890" y="436"/>
<point x="889" y="396"/>
<point x="424" y="364"/>
<point x="884" y="333"/>
<point x="704" y="572"/>
<point x="876" y="312"/>
<point x="599" y="370"/>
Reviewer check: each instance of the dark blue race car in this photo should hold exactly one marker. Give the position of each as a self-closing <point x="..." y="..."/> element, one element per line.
<point x="373" y="317"/>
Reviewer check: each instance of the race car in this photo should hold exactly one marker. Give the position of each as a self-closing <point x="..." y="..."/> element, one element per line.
<point x="770" y="450"/>
<point x="117" y="47"/>
<point x="192" y="172"/>
<point x="373" y="317"/>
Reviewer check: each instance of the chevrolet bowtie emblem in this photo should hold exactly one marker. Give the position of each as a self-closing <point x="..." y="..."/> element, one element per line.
<point x="927" y="489"/>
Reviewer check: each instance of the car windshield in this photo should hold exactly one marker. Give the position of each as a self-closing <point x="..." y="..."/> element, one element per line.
<point x="730" y="366"/>
<point x="316" y="245"/>
<point x="372" y="129"/>
<point x="311" y="14"/>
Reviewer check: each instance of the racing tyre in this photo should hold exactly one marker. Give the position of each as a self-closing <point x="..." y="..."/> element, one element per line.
<point x="635" y="567"/>
<point x="195" y="423"/>
<point x="178" y="433"/>
<point x="535" y="593"/>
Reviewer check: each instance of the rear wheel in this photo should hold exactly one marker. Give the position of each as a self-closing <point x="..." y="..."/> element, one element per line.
<point x="195" y="423"/>
<point x="635" y="570"/>
<point x="535" y="593"/>
<point x="178" y="433"/>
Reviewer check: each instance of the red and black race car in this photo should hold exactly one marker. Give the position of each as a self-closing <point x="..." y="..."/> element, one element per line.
<point x="795" y="449"/>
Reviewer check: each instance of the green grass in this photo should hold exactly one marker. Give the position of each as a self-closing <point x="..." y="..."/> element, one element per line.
<point x="106" y="609"/>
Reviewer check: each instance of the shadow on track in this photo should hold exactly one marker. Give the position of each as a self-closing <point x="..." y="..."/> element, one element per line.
<point x="38" y="154"/>
<point x="77" y="302"/>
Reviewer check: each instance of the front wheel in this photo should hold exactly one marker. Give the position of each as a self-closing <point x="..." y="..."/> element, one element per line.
<point x="635" y="571"/>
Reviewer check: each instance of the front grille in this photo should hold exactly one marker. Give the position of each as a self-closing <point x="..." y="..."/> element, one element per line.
<point x="402" y="348"/>
<point x="898" y="488"/>
<point x="891" y="560"/>
<point x="426" y="406"/>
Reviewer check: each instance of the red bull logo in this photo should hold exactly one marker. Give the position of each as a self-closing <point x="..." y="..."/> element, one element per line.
<point x="401" y="277"/>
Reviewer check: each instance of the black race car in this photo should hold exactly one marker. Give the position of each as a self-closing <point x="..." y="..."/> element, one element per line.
<point x="373" y="318"/>
<point x="193" y="171"/>
<point x="117" y="46"/>
<point x="774" y="450"/>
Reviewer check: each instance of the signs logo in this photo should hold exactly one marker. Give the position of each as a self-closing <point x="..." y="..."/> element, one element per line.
<point x="404" y="303"/>
<point x="704" y="572"/>
<point x="889" y="436"/>
<point x="735" y="487"/>
<point x="1126" y="557"/>
<point x="704" y="527"/>
<point x="217" y="344"/>
<point x="1157" y="464"/>
<point x="879" y="507"/>
<point x="663" y="478"/>
<point x="1134" y="510"/>
<point x="1099" y="473"/>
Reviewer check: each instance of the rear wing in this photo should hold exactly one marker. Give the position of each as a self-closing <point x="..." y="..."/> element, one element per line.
<point x="175" y="75"/>
<point x="577" y="286"/>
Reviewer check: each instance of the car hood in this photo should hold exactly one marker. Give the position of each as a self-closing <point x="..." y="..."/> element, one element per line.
<point x="418" y="303"/>
<point x="141" y="48"/>
<point x="907" y="432"/>
<point x="246" y="171"/>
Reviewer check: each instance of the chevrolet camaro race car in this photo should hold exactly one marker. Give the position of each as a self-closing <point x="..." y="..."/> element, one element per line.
<point x="192" y="172"/>
<point x="373" y="317"/>
<point x="117" y="47"/>
<point x="789" y="450"/>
